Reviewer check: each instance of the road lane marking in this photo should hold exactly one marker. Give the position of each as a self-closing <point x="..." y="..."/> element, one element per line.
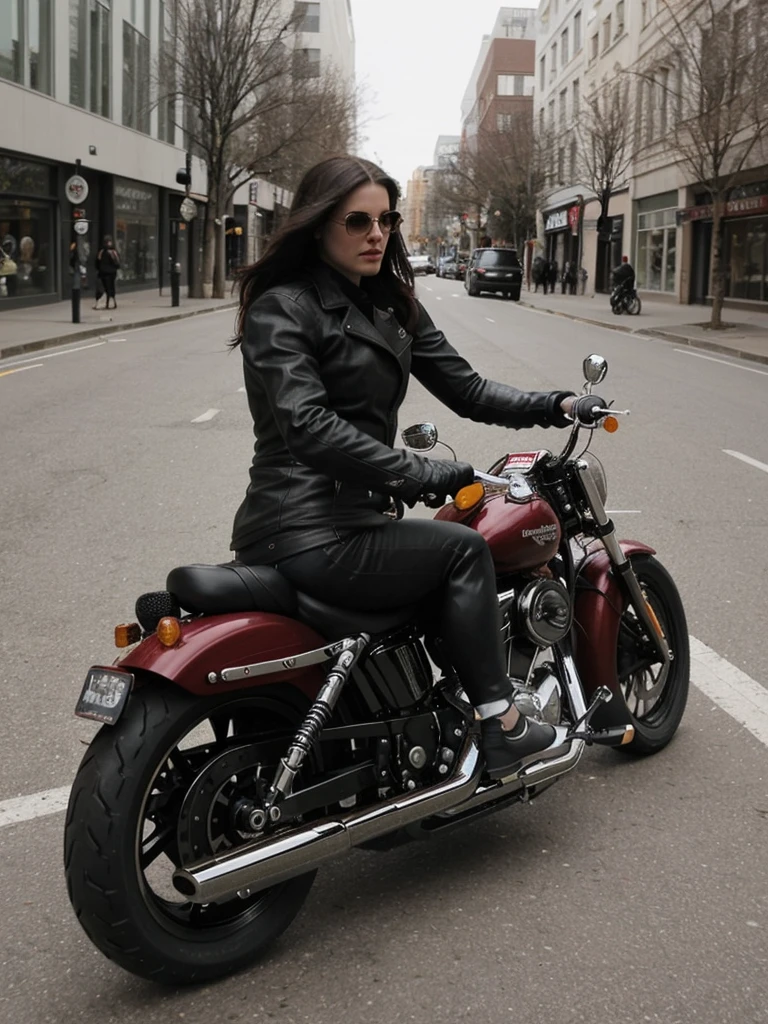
<point x="490" y="321"/>
<point x="624" y="511"/>
<point x="732" y="690"/>
<point x="115" y="341"/>
<point x="207" y="415"/>
<point x="438" y="298"/>
<point x="35" y="366"/>
<point x="748" y="459"/>
<point x="712" y="359"/>
<point x="241" y="389"/>
<point x="455" y="295"/>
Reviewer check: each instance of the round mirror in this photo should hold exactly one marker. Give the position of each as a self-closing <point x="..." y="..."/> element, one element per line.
<point x="421" y="437"/>
<point x="595" y="368"/>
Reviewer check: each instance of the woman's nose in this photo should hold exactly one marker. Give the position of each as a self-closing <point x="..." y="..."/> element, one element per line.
<point x="375" y="234"/>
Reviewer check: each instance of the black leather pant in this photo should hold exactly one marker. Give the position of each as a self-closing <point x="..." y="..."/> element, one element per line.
<point x="405" y="561"/>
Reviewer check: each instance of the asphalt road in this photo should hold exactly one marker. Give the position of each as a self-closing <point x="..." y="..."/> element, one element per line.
<point x="632" y="891"/>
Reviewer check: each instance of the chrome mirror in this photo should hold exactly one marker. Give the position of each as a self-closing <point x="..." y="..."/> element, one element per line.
<point x="421" y="437"/>
<point x="595" y="368"/>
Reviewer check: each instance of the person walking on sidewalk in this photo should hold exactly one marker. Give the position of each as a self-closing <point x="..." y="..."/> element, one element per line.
<point x="107" y="266"/>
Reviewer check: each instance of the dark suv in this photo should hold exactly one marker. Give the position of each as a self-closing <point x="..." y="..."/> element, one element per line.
<point x="494" y="270"/>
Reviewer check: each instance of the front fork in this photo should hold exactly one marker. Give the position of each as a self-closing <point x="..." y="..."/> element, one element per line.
<point x="606" y="531"/>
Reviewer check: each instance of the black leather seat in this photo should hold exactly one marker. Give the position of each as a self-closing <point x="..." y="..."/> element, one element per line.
<point x="235" y="587"/>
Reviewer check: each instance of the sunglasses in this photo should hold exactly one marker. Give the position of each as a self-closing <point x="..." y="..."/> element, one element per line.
<point x="359" y="223"/>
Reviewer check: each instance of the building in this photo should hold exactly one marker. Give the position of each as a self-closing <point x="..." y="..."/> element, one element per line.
<point x="74" y="83"/>
<point x="446" y="151"/>
<point x="560" y="67"/>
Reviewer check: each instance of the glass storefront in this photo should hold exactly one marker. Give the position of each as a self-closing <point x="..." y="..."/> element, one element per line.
<point x="27" y="241"/>
<point x="656" y="252"/>
<point x="745" y="253"/>
<point x="136" y="221"/>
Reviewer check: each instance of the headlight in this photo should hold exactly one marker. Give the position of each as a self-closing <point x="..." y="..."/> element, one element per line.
<point x="598" y="474"/>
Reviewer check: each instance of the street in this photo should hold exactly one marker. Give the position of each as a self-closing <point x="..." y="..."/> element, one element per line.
<point x="632" y="891"/>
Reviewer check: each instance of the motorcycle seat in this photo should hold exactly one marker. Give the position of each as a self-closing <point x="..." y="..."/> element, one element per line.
<point x="236" y="587"/>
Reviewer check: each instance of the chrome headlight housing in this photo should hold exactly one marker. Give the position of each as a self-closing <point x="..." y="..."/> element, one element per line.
<point x="597" y="473"/>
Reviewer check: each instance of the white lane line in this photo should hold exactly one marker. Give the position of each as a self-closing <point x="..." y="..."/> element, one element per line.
<point x="207" y="415"/>
<point x="736" y="693"/>
<point x="712" y="359"/>
<point x="115" y="341"/>
<point x="438" y="298"/>
<point x="748" y="459"/>
<point x="731" y="689"/>
<point x="19" y="369"/>
<point x="241" y="389"/>
<point x="54" y="355"/>
<point x="490" y="321"/>
<point x="455" y="295"/>
<point x="427" y="288"/>
<point x="37" y="805"/>
<point x="624" y="511"/>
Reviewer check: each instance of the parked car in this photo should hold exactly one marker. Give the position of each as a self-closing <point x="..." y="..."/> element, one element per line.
<point x="421" y="265"/>
<point x="461" y="265"/>
<point x="494" y="270"/>
<point x="442" y="263"/>
<point x="449" y="269"/>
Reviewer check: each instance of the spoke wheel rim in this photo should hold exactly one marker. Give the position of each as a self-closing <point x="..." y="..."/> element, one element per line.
<point x="646" y="684"/>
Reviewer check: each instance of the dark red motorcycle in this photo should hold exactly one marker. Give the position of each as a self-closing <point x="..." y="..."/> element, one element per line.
<point x="261" y="732"/>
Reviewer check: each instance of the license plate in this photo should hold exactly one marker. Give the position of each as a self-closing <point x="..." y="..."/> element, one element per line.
<point x="104" y="695"/>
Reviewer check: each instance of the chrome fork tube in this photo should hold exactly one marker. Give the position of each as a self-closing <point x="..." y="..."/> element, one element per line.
<point x="620" y="561"/>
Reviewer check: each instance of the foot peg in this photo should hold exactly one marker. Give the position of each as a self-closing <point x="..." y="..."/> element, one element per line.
<point x="616" y="736"/>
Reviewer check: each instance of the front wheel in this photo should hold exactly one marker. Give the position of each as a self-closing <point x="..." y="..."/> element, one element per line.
<point x="655" y="694"/>
<point x="634" y="305"/>
<point x="158" y="791"/>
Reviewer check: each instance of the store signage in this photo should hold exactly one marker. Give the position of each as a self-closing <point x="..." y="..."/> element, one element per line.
<point x="573" y="219"/>
<point x="81" y="227"/>
<point x="76" y="189"/>
<point x="188" y="209"/>
<point x="253" y="193"/>
<point x="556" y="221"/>
<point x="733" y="208"/>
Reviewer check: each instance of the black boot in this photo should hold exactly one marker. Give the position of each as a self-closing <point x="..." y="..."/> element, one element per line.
<point x="507" y="751"/>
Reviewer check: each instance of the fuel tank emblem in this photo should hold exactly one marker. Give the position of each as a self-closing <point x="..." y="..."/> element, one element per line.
<point x="542" y="534"/>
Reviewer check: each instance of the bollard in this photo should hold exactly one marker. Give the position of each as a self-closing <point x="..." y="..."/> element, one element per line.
<point x="175" y="283"/>
<point x="76" y="295"/>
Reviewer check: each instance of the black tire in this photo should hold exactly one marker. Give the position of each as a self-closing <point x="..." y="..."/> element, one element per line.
<point x="131" y="912"/>
<point x="634" y="306"/>
<point x="473" y="290"/>
<point x="656" y="717"/>
<point x="515" y="295"/>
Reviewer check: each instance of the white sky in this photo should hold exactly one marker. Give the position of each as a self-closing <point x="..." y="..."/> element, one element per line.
<point x="414" y="58"/>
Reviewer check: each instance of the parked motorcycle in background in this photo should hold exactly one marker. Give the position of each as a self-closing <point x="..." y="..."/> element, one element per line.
<point x="260" y="732"/>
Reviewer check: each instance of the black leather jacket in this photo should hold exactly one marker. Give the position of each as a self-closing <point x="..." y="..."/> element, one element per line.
<point x="324" y="387"/>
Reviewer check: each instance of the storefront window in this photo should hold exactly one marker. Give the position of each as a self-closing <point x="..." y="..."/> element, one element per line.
<point x="26" y="249"/>
<point x="136" y="218"/>
<point x="656" y="258"/>
<point x="24" y="177"/>
<point x="89" y="55"/>
<point x="746" y="258"/>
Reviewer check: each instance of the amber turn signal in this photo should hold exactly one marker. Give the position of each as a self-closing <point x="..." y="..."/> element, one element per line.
<point x="469" y="496"/>
<point x="629" y="735"/>
<point x="611" y="424"/>
<point x="127" y="633"/>
<point x="168" y="631"/>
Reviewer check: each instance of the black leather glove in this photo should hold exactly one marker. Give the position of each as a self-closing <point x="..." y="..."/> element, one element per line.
<point x="444" y="479"/>
<point x="585" y="408"/>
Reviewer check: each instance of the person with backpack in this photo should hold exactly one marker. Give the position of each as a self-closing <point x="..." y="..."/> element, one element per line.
<point x="107" y="266"/>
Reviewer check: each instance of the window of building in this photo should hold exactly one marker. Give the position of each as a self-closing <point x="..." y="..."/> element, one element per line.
<point x="664" y="100"/>
<point x="504" y="122"/>
<point x="310" y="17"/>
<point x="27" y="229"/>
<point x="563" y="106"/>
<point x="307" y="63"/>
<point x="561" y="165"/>
<point x="577" y="32"/>
<point x="541" y="120"/>
<point x="607" y="32"/>
<point x="166" y="101"/>
<point x="643" y="13"/>
<point x="576" y="96"/>
<point x="574" y="159"/>
<point x="135" y="79"/>
<point x="564" y="47"/>
<point x="594" y="46"/>
<point x="657" y="243"/>
<point x="514" y="85"/>
<point x="90" y="55"/>
<point x="136" y="215"/>
<point x="542" y="72"/>
<point x="553" y="63"/>
<point x="551" y="113"/>
<point x="26" y="43"/>
<point x="619" y="18"/>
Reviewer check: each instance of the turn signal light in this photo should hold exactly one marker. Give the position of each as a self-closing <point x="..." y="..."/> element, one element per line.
<point x="168" y="631"/>
<point x="127" y="633"/>
<point x="628" y="736"/>
<point x="611" y="424"/>
<point x="469" y="496"/>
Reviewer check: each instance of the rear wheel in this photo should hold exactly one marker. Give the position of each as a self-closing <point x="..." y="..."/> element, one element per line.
<point x="655" y="694"/>
<point x="160" y="790"/>
<point x="472" y="289"/>
<point x="634" y="305"/>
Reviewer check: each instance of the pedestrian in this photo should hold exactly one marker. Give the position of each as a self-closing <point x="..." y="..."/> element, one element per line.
<point x="564" y="278"/>
<point x="553" y="274"/>
<point x="107" y="266"/>
<point x="331" y="331"/>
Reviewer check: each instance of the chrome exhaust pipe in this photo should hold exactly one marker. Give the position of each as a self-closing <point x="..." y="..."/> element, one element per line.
<point x="268" y="861"/>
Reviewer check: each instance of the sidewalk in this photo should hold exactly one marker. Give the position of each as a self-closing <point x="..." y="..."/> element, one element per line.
<point x="685" y="325"/>
<point x="38" y="327"/>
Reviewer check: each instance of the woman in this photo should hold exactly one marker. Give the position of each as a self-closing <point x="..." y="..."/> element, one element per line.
<point x="107" y="266"/>
<point x="330" y="332"/>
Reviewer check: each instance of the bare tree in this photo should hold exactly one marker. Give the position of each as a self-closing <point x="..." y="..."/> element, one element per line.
<point x="717" y="101"/>
<point x="514" y="165"/>
<point x="604" y="134"/>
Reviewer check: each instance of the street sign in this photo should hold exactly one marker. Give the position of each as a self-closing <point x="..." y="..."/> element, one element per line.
<point x="188" y="209"/>
<point x="76" y="189"/>
<point x="81" y="227"/>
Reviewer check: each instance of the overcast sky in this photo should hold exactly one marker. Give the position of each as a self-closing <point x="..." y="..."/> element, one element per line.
<point x="414" y="58"/>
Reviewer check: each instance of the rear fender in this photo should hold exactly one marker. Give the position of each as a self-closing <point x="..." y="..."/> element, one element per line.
<point x="214" y="642"/>
<point x="600" y="603"/>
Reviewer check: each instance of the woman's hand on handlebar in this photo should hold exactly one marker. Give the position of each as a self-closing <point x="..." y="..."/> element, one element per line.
<point x="585" y="409"/>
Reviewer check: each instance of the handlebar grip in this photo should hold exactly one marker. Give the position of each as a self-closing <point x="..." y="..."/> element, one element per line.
<point x="589" y="409"/>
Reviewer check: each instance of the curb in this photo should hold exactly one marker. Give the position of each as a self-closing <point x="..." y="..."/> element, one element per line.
<point x="100" y="332"/>
<point x="656" y="332"/>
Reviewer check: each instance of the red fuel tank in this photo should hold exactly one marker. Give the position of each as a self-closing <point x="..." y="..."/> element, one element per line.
<point x="520" y="536"/>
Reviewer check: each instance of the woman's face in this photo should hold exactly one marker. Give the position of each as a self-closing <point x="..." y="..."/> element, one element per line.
<point x="356" y="255"/>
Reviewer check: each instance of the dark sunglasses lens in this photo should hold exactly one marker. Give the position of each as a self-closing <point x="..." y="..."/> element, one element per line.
<point x="391" y="221"/>
<point x="358" y="223"/>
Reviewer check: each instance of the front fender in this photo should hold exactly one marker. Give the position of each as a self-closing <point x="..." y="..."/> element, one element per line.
<point x="215" y="642"/>
<point x="600" y="603"/>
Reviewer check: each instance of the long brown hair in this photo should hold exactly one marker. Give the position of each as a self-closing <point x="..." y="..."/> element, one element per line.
<point x="294" y="247"/>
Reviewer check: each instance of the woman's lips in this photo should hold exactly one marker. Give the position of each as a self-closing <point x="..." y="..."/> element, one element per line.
<point x="373" y="254"/>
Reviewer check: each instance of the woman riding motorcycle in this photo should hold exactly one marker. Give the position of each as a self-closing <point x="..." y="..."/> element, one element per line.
<point x="330" y="331"/>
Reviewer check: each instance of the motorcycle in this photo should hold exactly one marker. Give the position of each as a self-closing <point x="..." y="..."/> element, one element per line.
<point x="260" y="732"/>
<point x="625" y="300"/>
